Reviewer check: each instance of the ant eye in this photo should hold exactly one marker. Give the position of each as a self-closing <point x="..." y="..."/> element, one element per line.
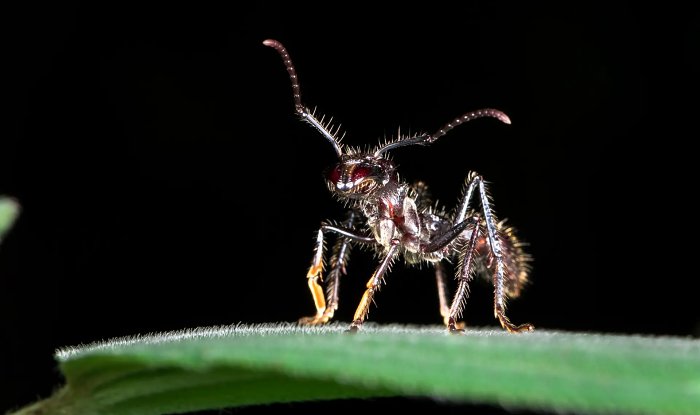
<point x="361" y="172"/>
<point x="334" y="175"/>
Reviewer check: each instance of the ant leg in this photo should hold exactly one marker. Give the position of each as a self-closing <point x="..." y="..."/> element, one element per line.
<point x="449" y="315"/>
<point x="442" y="291"/>
<point x="501" y="273"/>
<point x="465" y="274"/>
<point x="441" y="241"/>
<point x="338" y="263"/>
<point x="324" y="312"/>
<point x="312" y="278"/>
<point x="442" y="294"/>
<point x="373" y="286"/>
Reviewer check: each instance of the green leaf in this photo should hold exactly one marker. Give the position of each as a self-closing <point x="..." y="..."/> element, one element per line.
<point x="9" y="209"/>
<point x="247" y="365"/>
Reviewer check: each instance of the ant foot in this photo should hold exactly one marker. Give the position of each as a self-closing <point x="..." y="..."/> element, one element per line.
<point x="354" y="327"/>
<point x="455" y="327"/>
<point x="512" y="328"/>
<point x="314" y="320"/>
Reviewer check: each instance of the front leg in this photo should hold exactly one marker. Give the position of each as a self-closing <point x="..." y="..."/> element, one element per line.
<point x="313" y="277"/>
<point x="373" y="286"/>
<point x="341" y="251"/>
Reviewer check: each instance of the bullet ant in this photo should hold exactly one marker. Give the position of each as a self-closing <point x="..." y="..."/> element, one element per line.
<point x="398" y="219"/>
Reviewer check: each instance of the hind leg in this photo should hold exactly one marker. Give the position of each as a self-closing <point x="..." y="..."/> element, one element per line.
<point x="475" y="184"/>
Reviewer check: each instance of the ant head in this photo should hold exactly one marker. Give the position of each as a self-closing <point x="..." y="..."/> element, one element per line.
<point x="358" y="175"/>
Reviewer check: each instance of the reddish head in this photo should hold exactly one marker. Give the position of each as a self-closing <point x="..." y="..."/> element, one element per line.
<point x="359" y="175"/>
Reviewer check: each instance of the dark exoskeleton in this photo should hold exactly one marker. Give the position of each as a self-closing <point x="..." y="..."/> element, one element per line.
<point x="398" y="219"/>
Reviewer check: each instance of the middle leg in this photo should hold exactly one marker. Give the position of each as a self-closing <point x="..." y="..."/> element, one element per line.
<point x="450" y="313"/>
<point x="442" y="291"/>
<point x="338" y="263"/>
<point x="441" y="280"/>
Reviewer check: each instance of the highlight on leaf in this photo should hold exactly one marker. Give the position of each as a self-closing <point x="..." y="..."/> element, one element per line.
<point x="9" y="210"/>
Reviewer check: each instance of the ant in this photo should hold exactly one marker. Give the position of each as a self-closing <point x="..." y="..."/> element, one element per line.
<point x="396" y="218"/>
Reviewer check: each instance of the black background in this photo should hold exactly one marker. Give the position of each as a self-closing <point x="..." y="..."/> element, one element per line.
<point x="167" y="184"/>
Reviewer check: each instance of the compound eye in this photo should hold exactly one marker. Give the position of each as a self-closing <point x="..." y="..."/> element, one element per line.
<point x="333" y="175"/>
<point x="360" y="172"/>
